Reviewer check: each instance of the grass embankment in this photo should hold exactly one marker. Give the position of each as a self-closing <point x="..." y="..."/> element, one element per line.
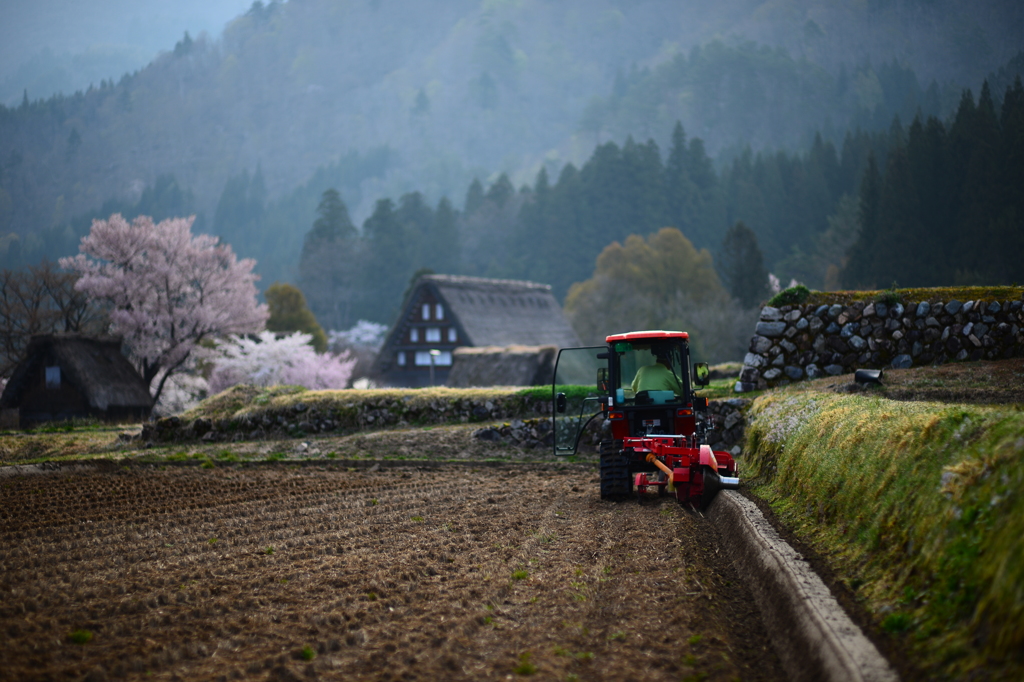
<point x="805" y="296"/>
<point x="917" y="506"/>
<point x="402" y="408"/>
<point x="248" y="401"/>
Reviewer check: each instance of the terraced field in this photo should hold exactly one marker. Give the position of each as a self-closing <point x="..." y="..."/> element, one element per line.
<point x="436" y="572"/>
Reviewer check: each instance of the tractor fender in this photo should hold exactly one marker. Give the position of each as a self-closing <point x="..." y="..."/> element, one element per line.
<point x="707" y="457"/>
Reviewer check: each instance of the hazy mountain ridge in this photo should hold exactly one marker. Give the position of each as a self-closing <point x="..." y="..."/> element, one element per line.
<point x="53" y="46"/>
<point x="476" y="88"/>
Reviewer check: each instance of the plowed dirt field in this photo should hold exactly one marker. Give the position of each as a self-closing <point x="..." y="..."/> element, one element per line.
<point x="434" y="573"/>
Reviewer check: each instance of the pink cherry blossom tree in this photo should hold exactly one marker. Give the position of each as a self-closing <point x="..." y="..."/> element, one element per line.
<point x="168" y="289"/>
<point x="268" y="359"/>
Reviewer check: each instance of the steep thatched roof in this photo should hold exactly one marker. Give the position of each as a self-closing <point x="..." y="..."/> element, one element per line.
<point x="503" y="312"/>
<point x="95" y="366"/>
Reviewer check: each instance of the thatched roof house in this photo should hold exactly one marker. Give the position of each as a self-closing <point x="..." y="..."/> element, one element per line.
<point x="66" y="376"/>
<point x="445" y="312"/>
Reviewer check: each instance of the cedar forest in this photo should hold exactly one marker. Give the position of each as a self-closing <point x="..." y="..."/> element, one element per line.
<point x="794" y="171"/>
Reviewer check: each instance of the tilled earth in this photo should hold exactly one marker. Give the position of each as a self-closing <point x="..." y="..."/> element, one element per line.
<point x="283" y="573"/>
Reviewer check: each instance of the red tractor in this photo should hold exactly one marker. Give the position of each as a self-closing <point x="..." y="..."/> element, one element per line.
<point x="656" y="423"/>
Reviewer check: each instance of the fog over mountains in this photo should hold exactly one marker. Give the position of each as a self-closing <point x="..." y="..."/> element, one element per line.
<point x="50" y="46"/>
<point x="383" y="97"/>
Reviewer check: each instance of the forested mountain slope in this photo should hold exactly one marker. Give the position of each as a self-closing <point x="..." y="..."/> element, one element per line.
<point x="391" y="96"/>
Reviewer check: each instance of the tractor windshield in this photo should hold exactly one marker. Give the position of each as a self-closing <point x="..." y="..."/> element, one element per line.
<point x="651" y="372"/>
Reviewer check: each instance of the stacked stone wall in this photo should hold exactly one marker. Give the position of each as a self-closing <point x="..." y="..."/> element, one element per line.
<point x="796" y="342"/>
<point x="728" y="424"/>
<point x="529" y="422"/>
<point x="345" y="416"/>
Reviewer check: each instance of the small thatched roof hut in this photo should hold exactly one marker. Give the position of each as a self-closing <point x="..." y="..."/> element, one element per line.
<point x="66" y="376"/>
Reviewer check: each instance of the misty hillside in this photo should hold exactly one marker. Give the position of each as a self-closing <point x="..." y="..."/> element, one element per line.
<point x="52" y="46"/>
<point x="391" y="96"/>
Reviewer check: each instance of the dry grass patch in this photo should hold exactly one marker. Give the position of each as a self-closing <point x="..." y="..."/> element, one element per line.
<point x="32" y="446"/>
<point x="984" y="382"/>
<point x="944" y="294"/>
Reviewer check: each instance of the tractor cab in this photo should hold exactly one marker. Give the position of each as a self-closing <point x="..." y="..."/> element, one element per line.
<point x="641" y="385"/>
<point x="640" y="382"/>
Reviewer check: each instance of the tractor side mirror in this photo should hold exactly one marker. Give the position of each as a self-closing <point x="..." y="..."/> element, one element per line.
<point x="701" y="374"/>
<point x="560" y="403"/>
<point x="602" y="380"/>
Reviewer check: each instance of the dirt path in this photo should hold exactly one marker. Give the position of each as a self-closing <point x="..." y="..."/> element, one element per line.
<point x="402" y="574"/>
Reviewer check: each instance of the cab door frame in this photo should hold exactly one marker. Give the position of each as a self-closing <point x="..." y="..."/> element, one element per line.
<point x="572" y="367"/>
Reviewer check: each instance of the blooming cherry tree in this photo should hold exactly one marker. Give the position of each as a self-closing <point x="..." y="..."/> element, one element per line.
<point x="364" y="334"/>
<point x="266" y="360"/>
<point x="168" y="289"/>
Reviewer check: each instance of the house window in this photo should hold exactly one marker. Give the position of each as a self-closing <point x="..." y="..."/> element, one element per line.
<point x="426" y="311"/>
<point x="53" y="377"/>
<point x="433" y="335"/>
<point x="414" y="334"/>
<point x="401" y="358"/>
<point x="442" y="359"/>
<point x="439" y="311"/>
<point x="453" y="335"/>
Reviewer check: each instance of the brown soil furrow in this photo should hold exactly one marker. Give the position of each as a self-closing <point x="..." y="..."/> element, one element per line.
<point x="398" y="574"/>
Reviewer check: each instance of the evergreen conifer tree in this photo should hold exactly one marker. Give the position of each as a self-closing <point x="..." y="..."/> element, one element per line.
<point x="980" y="189"/>
<point x="416" y="219"/>
<point x="532" y="236"/>
<point x="927" y="153"/>
<point x="710" y="210"/>
<point x="643" y="184"/>
<point x="741" y="266"/>
<point x="474" y="197"/>
<point x="1011" y="120"/>
<point x="388" y="259"/>
<point x="899" y="227"/>
<point x="605" y="214"/>
<point x="501" y="191"/>
<point x="1011" y="221"/>
<point x="681" y="193"/>
<point x="331" y="268"/>
<point x="332" y="223"/>
<point x="444" y="236"/>
<point x="562" y="261"/>
<point x="238" y="218"/>
<point x="859" y="270"/>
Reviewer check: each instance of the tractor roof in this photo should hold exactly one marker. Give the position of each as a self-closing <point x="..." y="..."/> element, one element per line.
<point x="650" y="334"/>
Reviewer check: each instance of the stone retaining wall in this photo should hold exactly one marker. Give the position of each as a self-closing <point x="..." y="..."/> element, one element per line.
<point x="796" y="342"/>
<point x="300" y="419"/>
<point x="528" y="421"/>
<point x="729" y="421"/>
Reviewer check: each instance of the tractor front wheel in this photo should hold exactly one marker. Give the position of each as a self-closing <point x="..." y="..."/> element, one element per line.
<point x="615" y="481"/>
